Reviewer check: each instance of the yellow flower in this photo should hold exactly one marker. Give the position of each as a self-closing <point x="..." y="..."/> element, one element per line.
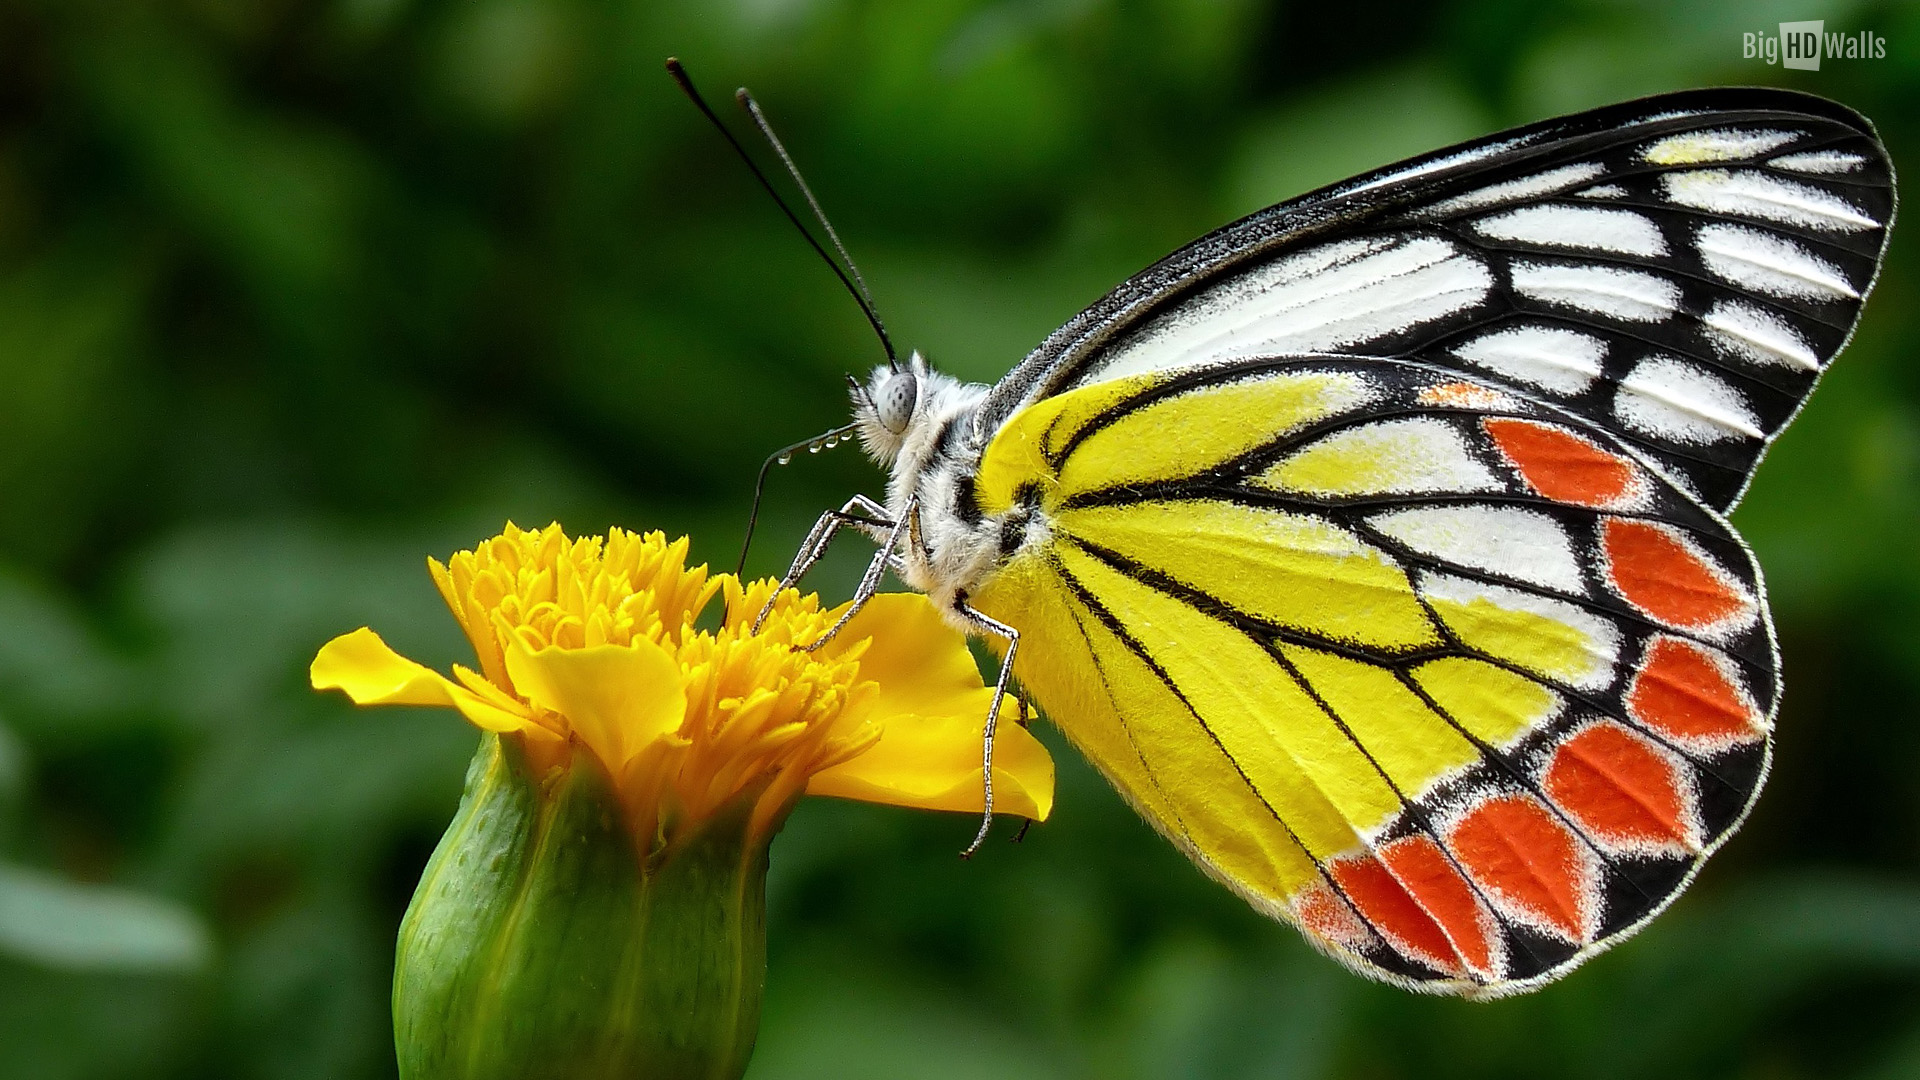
<point x="591" y="643"/>
<point x="597" y="907"/>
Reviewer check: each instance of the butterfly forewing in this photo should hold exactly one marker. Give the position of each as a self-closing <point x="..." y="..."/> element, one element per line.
<point x="1678" y="271"/>
<point x="1452" y="679"/>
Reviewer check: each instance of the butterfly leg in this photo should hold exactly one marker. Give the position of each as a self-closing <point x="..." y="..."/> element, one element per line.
<point x="870" y="581"/>
<point x="820" y="536"/>
<point x="988" y="625"/>
<point x="828" y="526"/>
<point x="1020" y="717"/>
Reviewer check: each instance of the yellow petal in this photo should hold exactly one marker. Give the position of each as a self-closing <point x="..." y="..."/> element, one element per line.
<point x="371" y="673"/>
<point x="932" y="711"/>
<point x="922" y="665"/>
<point x="618" y="700"/>
<point x="933" y="763"/>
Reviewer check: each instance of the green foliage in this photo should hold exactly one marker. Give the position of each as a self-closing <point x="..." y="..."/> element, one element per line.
<point x="294" y="292"/>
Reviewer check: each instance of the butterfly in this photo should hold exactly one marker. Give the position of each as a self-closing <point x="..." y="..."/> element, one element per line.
<point x="1375" y="546"/>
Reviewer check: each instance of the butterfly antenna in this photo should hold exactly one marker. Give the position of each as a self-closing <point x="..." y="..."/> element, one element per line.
<point x="766" y="129"/>
<point x="780" y="457"/>
<point x="857" y="291"/>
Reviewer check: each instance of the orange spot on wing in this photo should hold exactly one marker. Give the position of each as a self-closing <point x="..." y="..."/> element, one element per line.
<point x="1431" y="878"/>
<point x="1665" y="578"/>
<point x="1561" y="465"/>
<point x="1681" y="692"/>
<point x="1416" y="899"/>
<point x="1322" y="913"/>
<point x="1393" y="911"/>
<point x="1527" y="859"/>
<point x="1464" y="395"/>
<point x="1621" y="788"/>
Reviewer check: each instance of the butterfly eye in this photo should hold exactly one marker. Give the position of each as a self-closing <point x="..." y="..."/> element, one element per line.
<point x="895" y="402"/>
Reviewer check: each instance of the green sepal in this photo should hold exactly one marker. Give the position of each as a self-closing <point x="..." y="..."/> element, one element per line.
<point x="546" y="940"/>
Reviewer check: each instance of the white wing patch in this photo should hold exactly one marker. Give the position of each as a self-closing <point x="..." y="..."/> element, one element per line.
<point x="1550" y="357"/>
<point x="1527" y="187"/>
<point x="1525" y="545"/>
<point x="1770" y="263"/>
<point x="1756" y="195"/>
<point x="1760" y="336"/>
<point x="1630" y="295"/>
<point x="1819" y="162"/>
<point x="1592" y="228"/>
<point x="1332" y="297"/>
<point x="1728" y="144"/>
<point x="1675" y="400"/>
<point x="1464" y="157"/>
<point x="1419" y="455"/>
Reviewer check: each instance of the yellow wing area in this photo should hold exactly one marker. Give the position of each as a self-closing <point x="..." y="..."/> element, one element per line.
<point x="1182" y="434"/>
<point x="1291" y="569"/>
<point x="1264" y="755"/>
<point x="1154" y="750"/>
<point x="1179" y="435"/>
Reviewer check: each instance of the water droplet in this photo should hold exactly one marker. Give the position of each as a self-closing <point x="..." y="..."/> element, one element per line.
<point x="813" y="448"/>
<point x="784" y="458"/>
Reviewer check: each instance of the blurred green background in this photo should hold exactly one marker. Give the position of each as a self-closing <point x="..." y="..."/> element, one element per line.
<point x="296" y="292"/>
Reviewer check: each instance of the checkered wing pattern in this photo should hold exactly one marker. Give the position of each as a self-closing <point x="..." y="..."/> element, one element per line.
<point x="1386" y="568"/>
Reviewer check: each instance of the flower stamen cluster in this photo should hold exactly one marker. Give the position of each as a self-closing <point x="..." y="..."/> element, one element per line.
<point x="593" y="643"/>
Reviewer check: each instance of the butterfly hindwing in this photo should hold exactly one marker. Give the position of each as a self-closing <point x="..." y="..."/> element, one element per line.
<point x="1678" y="271"/>
<point x="1452" y="679"/>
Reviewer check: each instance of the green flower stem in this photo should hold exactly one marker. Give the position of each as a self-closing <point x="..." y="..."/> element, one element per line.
<point x="545" y="941"/>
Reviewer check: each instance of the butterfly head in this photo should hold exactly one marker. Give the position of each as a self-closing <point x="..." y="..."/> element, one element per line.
<point x="885" y="406"/>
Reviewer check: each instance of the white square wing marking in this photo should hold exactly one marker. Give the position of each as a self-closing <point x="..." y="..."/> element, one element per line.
<point x="1819" y="162"/>
<point x="1526" y="187"/>
<point x="1427" y="168"/>
<point x="1769" y="263"/>
<point x="1592" y="228"/>
<point x="1552" y="358"/>
<point x="1756" y="195"/>
<point x="1629" y="295"/>
<point x="1675" y="400"/>
<point x="1724" y="144"/>
<point x="1763" y="337"/>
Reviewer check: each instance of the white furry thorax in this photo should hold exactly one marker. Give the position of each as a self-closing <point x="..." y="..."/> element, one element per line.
<point x="932" y="462"/>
